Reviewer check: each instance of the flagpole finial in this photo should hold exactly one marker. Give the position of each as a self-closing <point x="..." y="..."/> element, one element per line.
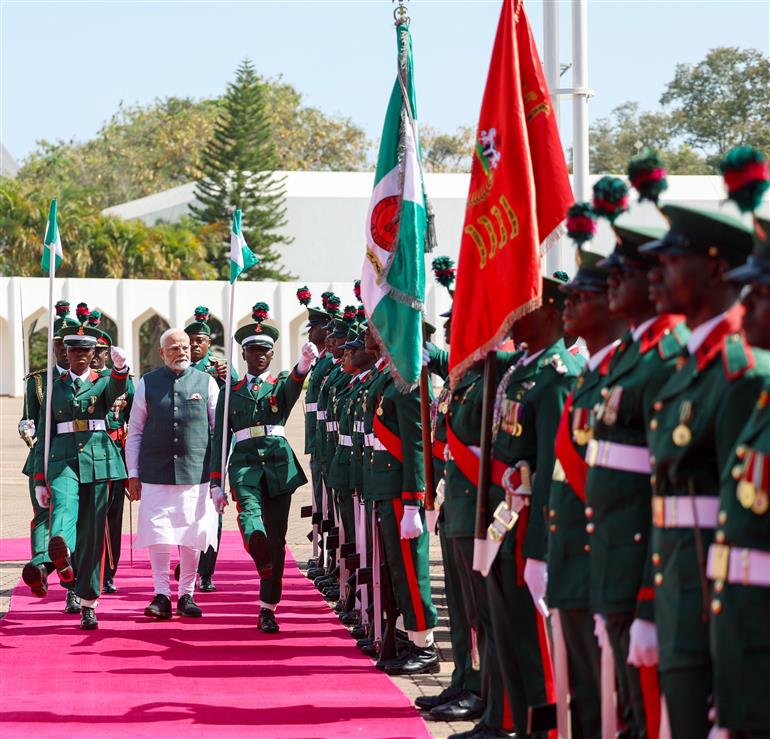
<point x="400" y="13"/>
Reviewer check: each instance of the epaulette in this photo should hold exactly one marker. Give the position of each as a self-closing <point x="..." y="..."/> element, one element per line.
<point x="35" y="373"/>
<point x="282" y="375"/>
<point x="737" y="356"/>
<point x="671" y="343"/>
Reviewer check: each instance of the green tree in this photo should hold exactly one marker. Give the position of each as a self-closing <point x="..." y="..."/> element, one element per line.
<point x="239" y="167"/>
<point x="446" y="152"/>
<point x="722" y="101"/>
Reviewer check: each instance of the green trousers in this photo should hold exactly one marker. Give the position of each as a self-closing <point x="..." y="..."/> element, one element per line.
<point x="520" y="637"/>
<point x="258" y="511"/>
<point x="315" y="478"/>
<point x="688" y="697"/>
<point x="38" y="531"/>
<point x="497" y="713"/>
<point x="114" y="526"/>
<point x="461" y="639"/>
<point x="409" y="565"/>
<point x="80" y="515"/>
<point x="346" y="513"/>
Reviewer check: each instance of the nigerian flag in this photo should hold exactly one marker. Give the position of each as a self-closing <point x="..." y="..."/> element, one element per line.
<point x="51" y="241"/>
<point x="393" y="277"/>
<point x="241" y="257"/>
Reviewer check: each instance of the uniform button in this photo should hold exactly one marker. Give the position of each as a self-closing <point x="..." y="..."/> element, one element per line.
<point x="589" y="512"/>
<point x="637" y="537"/>
<point x="719" y="537"/>
<point x="653" y="424"/>
<point x="605" y="392"/>
<point x="655" y="559"/>
<point x="737" y="472"/>
<point x="722" y="518"/>
<point x="175" y="439"/>
<point x="587" y="548"/>
<point x="716" y="606"/>
<point x="666" y="332"/>
<point x="652" y="461"/>
<point x="176" y="456"/>
<point x="590" y="528"/>
<point x="740" y="452"/>
<point x="719" y="585"/>
<point x="552" y="513"/>
<point x="658" y="578"/>
<point x="175" y="424"/>
<point x="657" y="405"/>
<point x="176" y="408"/>
<point x="653" y="479"/>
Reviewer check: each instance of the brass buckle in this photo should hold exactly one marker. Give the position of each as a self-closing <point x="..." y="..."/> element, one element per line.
<point x="720" y="559"/>
<point x="80" y="424"/>
<point x="558" y="472"/>
<point x="506" y="518"/>
<point x="257" y="432"/>
<point x="592" y="452"/>
<point x="658" y="511"/>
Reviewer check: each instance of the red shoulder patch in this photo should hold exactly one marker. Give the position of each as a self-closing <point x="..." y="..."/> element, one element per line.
<point x="238" y="385"/>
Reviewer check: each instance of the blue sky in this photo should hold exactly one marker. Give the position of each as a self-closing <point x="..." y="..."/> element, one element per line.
<point x="65" y="66"/>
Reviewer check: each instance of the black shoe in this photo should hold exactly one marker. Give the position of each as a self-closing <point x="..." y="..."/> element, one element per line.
<point x="205" y="585"/>
<point x="186" y="606"/>
<point x="312" y="563"/>
<point x="109" y="586"/>
<point x="490" y="733"/>
<point x="88" y="620"/>
<point x="267" y="623"/>
<point x="177" y="570"/>
<point x="369" y="650"/>
<point x="426" y="702"/>
<point x="72" y="604"/>
<point x="36" y="576"/>
<point x="415" y="661"/>
<point x="477" y="730"/>
<point x="350" y="618"/>
<point x="159" y="608"/>
<point x="260" y="553"/>
<point x="60" y="555"/>
<point x="315" y="572"/>
<point x="360" y="631"/>
<point x="466" y="707"/>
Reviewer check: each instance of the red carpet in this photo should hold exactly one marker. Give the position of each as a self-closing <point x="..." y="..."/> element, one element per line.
<point x="216" y="676"/>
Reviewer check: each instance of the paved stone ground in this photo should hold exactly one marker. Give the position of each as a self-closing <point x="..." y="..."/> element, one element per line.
<point x="15" y="515"/>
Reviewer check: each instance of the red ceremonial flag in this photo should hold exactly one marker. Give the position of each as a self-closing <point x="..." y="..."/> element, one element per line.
<point x="508" y="227"/>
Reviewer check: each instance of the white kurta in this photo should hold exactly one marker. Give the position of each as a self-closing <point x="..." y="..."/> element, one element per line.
<point x="170" y="514"/>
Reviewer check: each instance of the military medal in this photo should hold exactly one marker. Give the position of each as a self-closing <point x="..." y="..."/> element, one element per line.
<point x="682" y="435"/>
<point x="612" y="406"/>
<point x="760" y="503"/>
<point x="746" y="493"/>
<point x="91" y="404"/>
<point x="379" y="410"/>
<point x="581" y="432"/>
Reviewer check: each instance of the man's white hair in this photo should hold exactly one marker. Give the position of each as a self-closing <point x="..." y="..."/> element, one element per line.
<point x="169" y="332"/>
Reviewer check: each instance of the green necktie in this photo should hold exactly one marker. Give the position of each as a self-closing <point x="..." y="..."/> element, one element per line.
<point x="78" y="383"/>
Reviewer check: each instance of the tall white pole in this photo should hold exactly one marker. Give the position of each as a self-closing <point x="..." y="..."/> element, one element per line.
<point x="228" y="382"/>
<point x="51" y="358"/>
<point x="551" y="63"/>
<point x="580" y="99"/>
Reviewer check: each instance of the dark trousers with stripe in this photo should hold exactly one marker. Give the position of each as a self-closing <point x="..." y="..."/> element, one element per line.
<point x="80" y="515"/>
<point x="38" y="531"/>
<point x="258" y="511"/>
<point x="521" y="639"/>
<point x="497" y="713"/>
<point x="463" y="674"/>
<point x="633" y="693"/>
<point x="409" y="564"/>
<point x="688" y="693"/>
<point x="114" y="526"/>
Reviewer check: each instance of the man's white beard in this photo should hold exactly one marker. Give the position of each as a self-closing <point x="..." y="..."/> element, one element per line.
<point x="180" y="364"/>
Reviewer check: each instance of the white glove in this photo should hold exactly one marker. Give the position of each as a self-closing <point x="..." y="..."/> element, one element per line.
<point x="309" y="355"/>
<point x="219" y="497"/>
<point x="536" y="577"/>
<point x="411" y="523"/>
<point x="43" y="496"/>
<point x="600" y="630"/>
<point x="427" y="348"/>
<point x="643" y="646"/>
<point x="26" y="428"/>
<point x="118" y="358"/>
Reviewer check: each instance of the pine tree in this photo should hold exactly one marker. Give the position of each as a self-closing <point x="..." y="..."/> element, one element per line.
<point x="239" y="164"/>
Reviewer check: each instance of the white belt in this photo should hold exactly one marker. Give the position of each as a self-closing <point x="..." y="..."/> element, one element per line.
<point x="311" y="407"/>
<point x="623" y="457"/>
<point x="71" y="427"/>
<point x="738" y="565"/>
<point x="331" y="426"/>
<point x="320" y="415"/>
<point x="345" y="440"/>
<point x="257" y="432"/>
<point x="681" y="512"/>
<point x="358" y="427"/>
<point x="372" y="441"/>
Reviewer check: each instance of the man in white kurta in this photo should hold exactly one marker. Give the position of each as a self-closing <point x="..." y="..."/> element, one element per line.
<point x="167" y="456"/>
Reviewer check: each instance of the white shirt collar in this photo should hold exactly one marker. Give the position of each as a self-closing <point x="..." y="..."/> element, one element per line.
<point x="700" y="333"/>
<point x="528" y="358"/>
<point x="82" y="377"/>
<point x="642" y="327"/>
<point x="250" y="378"/>
<point x="61" y="370"/>
<point x="596" y="358"/>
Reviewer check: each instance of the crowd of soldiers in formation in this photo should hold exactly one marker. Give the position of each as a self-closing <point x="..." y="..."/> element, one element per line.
<point x="628" y="494"/>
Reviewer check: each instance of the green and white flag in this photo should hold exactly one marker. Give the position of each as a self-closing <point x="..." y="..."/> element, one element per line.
<point x="393" y="277"/>
<point x="241" y="257"/>
<point x="51" y="241"/>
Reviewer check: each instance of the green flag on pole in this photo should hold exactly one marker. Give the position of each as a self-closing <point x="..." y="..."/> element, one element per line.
<point x="241" y="257"/>
<point x="393" y="276"/>
<point x="52" y="241"/>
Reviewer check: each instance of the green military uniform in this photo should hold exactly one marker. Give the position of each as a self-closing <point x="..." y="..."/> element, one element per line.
<point x="263" y="469"/>
<point x="531" y="397"/>
<point x="695" y="421"/>
<point x="81" y="463"/>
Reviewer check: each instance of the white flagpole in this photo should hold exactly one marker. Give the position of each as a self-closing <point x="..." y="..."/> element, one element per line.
<point x="228" y="380"/>
<point x="49" y="371"/>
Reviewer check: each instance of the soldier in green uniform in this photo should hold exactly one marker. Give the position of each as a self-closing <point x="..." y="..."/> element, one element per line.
<point x="263" y="469"/>
<point x="82" y="461"/>
<point x="203" y="359"/>
<point x="393" y="478"/>
<point x="696" y="418"/>
<point x="117" y="425"/>
<point x="529" y="402"/>
<point x="739" y="560"/>
<point x="586" y="314"/>
<point x="618" y="459"/>
<point x="461" y="699"/>
<point x="35" y="572"/>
